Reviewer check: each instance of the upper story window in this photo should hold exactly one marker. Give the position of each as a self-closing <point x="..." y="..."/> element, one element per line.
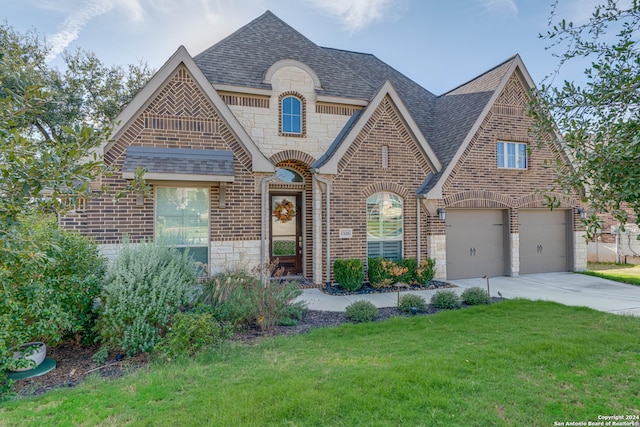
<point x="512" y="155"/>
<point x="292" y="115"/>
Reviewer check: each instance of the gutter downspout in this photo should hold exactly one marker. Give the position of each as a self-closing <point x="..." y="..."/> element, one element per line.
<point x="328" y="225"/>
<point x="263" y="227"/>
<point x="418" y="246"/>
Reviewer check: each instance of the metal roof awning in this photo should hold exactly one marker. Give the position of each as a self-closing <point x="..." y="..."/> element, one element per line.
<point x="179" y="164"/>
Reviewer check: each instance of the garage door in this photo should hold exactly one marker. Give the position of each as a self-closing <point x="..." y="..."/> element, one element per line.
<point x="476" y="243"/>
<point x="543" y="241"/>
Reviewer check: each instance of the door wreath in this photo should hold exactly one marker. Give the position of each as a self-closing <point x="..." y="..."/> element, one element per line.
<point x="285" y="211"/>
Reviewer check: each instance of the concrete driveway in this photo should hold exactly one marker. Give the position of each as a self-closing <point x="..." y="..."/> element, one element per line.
<point x="565" y="288"/>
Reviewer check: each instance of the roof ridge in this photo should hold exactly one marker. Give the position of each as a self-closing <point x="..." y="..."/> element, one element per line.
<point x="481" y="75"/>
<point x="345" y="66"/>
<point x="346" y="50"/>
<point x="266" y="14"/>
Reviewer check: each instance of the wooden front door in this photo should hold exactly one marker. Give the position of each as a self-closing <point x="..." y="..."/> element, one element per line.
<point x="286" y="232"/>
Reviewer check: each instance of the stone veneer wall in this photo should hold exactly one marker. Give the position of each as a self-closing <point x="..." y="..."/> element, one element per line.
<point x="322" y="124"/>
<point x="228" y="254"/>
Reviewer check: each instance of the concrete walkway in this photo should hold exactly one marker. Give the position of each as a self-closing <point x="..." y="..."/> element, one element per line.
<point x="565" y="288"/>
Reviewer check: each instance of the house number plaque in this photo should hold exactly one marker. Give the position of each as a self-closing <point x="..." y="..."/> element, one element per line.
<point x="346" y="233"/>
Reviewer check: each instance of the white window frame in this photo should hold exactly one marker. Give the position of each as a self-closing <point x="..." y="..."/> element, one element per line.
<point x="207" y="244"/>
<point x="379" y="239"/>
<point x="504" y="147"/>
<point x="291" y="116"/>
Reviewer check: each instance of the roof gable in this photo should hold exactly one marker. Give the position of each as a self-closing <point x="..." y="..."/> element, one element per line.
<point x="328" y="164"/>
<point x="461" y="111"/>
<point x="147" y="95"/>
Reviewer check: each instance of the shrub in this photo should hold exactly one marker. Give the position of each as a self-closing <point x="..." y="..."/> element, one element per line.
<point x="407" y="301"/>
<point x="425" y="271"/>
<point x="379" y="277"/>
<point x="146" y="285"/>
<point x="190" y="333"/>
<point x="445" y="299"/>
<point x="49" y="278"/>
<point x="362" y="311"/>
<point x="475" y="296"/>
<point x="239" y="298"/>
<point x="349" y="273"/>
<point x="384" y="273"/>
<point x="76" y="277"/>
<point x="406" y="270"/>
<point x="231" y="295"/>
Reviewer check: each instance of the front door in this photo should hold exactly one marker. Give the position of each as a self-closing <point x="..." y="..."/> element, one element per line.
<point x="286" y="232"/>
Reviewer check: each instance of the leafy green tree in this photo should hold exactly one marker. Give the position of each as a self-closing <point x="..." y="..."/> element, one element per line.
<point x="85" y="92"/>
<point x="51" y="123"/>
<point x="597" y="121"/>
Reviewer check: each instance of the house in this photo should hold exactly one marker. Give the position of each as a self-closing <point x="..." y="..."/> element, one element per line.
<point x="266" y="146"/>
<point x="613" y="243"/>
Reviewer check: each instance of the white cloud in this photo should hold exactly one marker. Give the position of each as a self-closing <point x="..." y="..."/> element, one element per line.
<point x="357" y="14"/>
<point x="72" y="26"/>
<point x="220" y="17"/>
<point x="508" y="6"/>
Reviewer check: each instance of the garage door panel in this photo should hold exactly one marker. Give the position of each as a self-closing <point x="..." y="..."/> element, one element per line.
<point x="543" y="241"/>
<point x="475" y="243"/>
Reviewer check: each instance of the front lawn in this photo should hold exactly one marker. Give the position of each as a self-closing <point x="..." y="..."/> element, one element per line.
<point x="625" y="273"/>
<point x="513" y="363"/>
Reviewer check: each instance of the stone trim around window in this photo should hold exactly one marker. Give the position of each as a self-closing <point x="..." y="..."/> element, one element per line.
<point x="303" y="114"/>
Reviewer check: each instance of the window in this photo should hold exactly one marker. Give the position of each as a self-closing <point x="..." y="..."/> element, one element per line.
<point x="288" y="175"/>
<point x="182" y="220"/>
<point x="291" y="115"/>
<point x="512" y="155"/>
<point x="384" y="226"/>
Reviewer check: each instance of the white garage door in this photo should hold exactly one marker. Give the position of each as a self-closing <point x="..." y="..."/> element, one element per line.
<point x="543" y="241"/>
<point x="476" y="242"/>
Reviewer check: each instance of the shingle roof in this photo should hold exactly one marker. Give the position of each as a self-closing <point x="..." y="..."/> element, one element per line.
<point x="243" y="58"/>
<point x="179" y="161"/>
<point x="418" y="100"/>
<point x="339" y="139"/>
<point x="458" y="110"/>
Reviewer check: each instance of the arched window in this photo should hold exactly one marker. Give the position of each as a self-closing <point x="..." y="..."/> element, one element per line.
<point x="291" y="115"/>
<point x="384" y="226"/>
<point x="288" y="175"/>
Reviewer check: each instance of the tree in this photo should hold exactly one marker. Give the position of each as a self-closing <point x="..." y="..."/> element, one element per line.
<point x="598" y="121"/>
<point x="52" y="121"/>
<point x="85" y="93"/>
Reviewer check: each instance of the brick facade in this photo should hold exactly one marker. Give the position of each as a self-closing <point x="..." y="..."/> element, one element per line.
<point x="179" y="117"/>
<point x="392" y="152"/>
<point x="477" y="182"/>
<point x="360" y="175"/>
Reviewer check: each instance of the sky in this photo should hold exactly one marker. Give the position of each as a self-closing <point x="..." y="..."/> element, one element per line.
<point x="440" y="44"/>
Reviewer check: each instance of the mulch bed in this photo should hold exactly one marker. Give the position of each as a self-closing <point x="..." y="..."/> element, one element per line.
<point x="368" y="289"/>
<point x="75" y="362"/>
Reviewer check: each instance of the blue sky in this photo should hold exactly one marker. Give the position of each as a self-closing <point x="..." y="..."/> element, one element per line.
<point x="438" y="43"/>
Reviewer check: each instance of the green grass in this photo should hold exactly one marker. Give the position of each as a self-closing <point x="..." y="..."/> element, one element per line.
<point x="515" y="363"/>
<point x="625" y="273"/>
